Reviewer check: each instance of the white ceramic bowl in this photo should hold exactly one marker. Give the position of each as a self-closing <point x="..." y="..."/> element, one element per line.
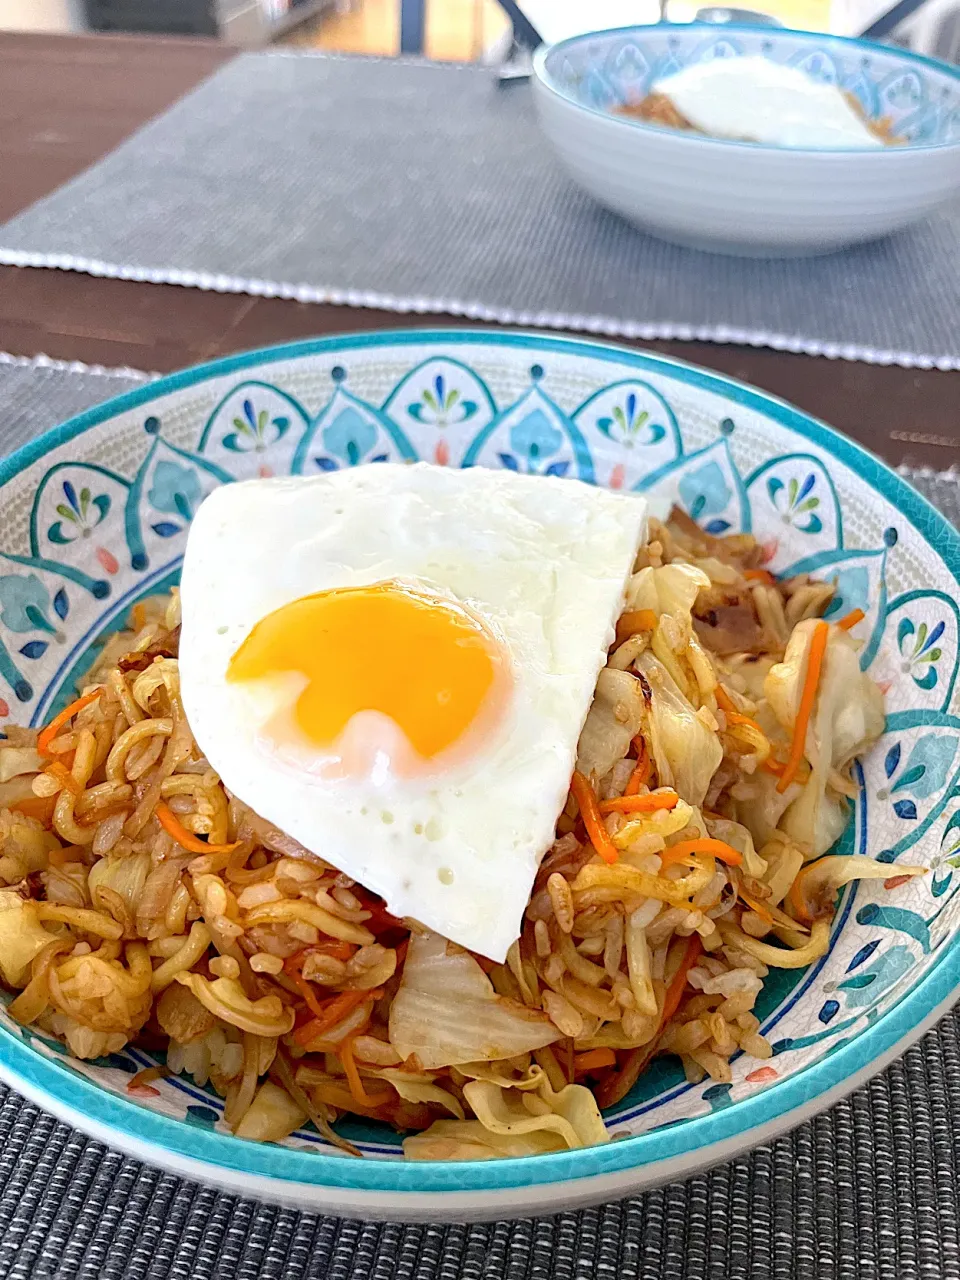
<point x="747" y="198"/>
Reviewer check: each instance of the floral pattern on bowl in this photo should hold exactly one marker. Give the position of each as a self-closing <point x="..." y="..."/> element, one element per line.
<point x="97" y="514"/>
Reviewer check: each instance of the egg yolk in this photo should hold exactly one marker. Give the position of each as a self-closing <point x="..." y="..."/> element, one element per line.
<point x="423" y="661"/>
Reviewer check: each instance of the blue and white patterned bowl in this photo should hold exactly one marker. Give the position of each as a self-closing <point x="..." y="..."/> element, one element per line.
<point x="743" y="197"/>
<point x="95" y="516"/>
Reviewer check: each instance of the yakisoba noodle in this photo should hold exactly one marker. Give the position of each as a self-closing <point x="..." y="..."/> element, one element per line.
<point x="144" y="904"/>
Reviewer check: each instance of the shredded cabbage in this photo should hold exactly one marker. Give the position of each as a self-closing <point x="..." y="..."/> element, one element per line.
<point x="612" y="721"/>
<point x="417" y="1088"/>
<point x="552" y="1119"/>
<point x="686" y="750"/>
<point x="272" y="1115"/>
<point x="847" y="718"/>
<point x="822" y="879"/>
<point x="470" y="1140"/>
<point x="671" y="589"/>
<point x="22" y="937"/>
<point x="446" y="1010"/>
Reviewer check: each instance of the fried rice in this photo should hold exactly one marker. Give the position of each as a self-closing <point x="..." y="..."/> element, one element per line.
<point x="141" y="903"/>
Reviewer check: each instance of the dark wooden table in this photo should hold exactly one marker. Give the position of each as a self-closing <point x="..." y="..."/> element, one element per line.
<point x="67" y="100"/>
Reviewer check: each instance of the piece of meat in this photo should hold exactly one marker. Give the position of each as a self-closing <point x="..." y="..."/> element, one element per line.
<point x="726" y="622"/>
<point x="740" y="549"/>
<point x="167" y="646"/>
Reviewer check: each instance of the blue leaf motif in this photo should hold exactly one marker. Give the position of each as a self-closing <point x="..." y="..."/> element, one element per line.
<point x="893" y="964"/>
<point x="927" y="766"/>
<point x="326" y="464"/>
<point x="851" y="591"/>
<point x="175" y="489"/>
<point x="534" y="437"/>
<point x="829" y="1011"/>
<point x="350" y="436"/>
<point x="705" y="492"/>
<point x="905" y="809"/>
<point x="717" y="527"/>
<point x="61" y="604"/>
<point x="558" y="468"/>
<point x="857" y="982"/>
<point x="509" y="461"/>
<point x="71" y="495"/>
<point x="863" y="954"/>
<point x="891" y="760"/>
<point x="202" y="1117"/>
<point x="165" y="529"/>
<point x="34" y="649"/>
<point x="23" y="603"/>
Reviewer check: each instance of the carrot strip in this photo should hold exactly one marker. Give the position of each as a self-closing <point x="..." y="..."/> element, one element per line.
<point x="760" y="575"/>
<point x="640" y="804"/>
<point x="633" y="622"/>
<point x="138" y="615"/>
<point x="349" y="1064"/>
<point x="773" y="766"/>
<point x="642" y="771"/>
<point x="818" y="647"/>
<point x="305" y="989"/>
<point x="39" y="807"/>
<point x="671" y="1001"/>
<point x="338" y="1095"/>
<point x="48" y="734"/>
<point x="334" y="1011"/>
<point x="724" y="701"/>
<point x="338" y="950"/>
<point x="64" y="777"/>
<point x="146" y="1075"/>
<point x="735" y="717"/>
<point x="593" y="819"/>
<point x="594" y="1059"/>
<point x="705" y="844"/>
<point x="60" y="857"/>
<point x="757" y="908"/>
<point x="850" y="620"/>
<point x="729" y="707"/>
<point x="186" y="839"/>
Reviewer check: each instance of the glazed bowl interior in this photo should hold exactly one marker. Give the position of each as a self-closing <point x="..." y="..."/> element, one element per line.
<point x="919" y="97"/>
<point x="96" y="515"/>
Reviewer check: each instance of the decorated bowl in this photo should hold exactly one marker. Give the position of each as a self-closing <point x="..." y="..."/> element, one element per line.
<point x="744" y="197"/>
<point x="96" y="515"/>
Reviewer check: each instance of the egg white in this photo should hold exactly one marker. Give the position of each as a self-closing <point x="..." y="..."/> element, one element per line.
<point x="542" y="561"/>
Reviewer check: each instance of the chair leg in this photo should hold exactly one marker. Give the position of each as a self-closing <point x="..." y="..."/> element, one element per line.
<point x="412" y="22"/>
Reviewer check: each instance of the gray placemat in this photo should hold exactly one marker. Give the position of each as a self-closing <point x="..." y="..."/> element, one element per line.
<point x="868" y="1191"/>
<point x="37" y="394"/>
<point x="423" y="187"/>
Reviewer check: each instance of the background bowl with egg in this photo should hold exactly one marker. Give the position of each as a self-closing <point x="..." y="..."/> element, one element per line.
<point x="748" y="198"/>
<point x="96" y="515"/>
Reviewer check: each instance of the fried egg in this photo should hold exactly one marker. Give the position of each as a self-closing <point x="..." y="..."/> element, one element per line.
<point x="393" y="664"/>
<point x="758" y="100"/>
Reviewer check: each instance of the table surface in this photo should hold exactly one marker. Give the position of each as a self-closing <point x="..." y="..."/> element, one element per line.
<point x="67" y="100"/>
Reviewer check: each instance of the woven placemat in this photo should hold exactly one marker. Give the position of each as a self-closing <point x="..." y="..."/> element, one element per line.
<point x="868" y="1191"/>
<point x="428" y="188"/>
